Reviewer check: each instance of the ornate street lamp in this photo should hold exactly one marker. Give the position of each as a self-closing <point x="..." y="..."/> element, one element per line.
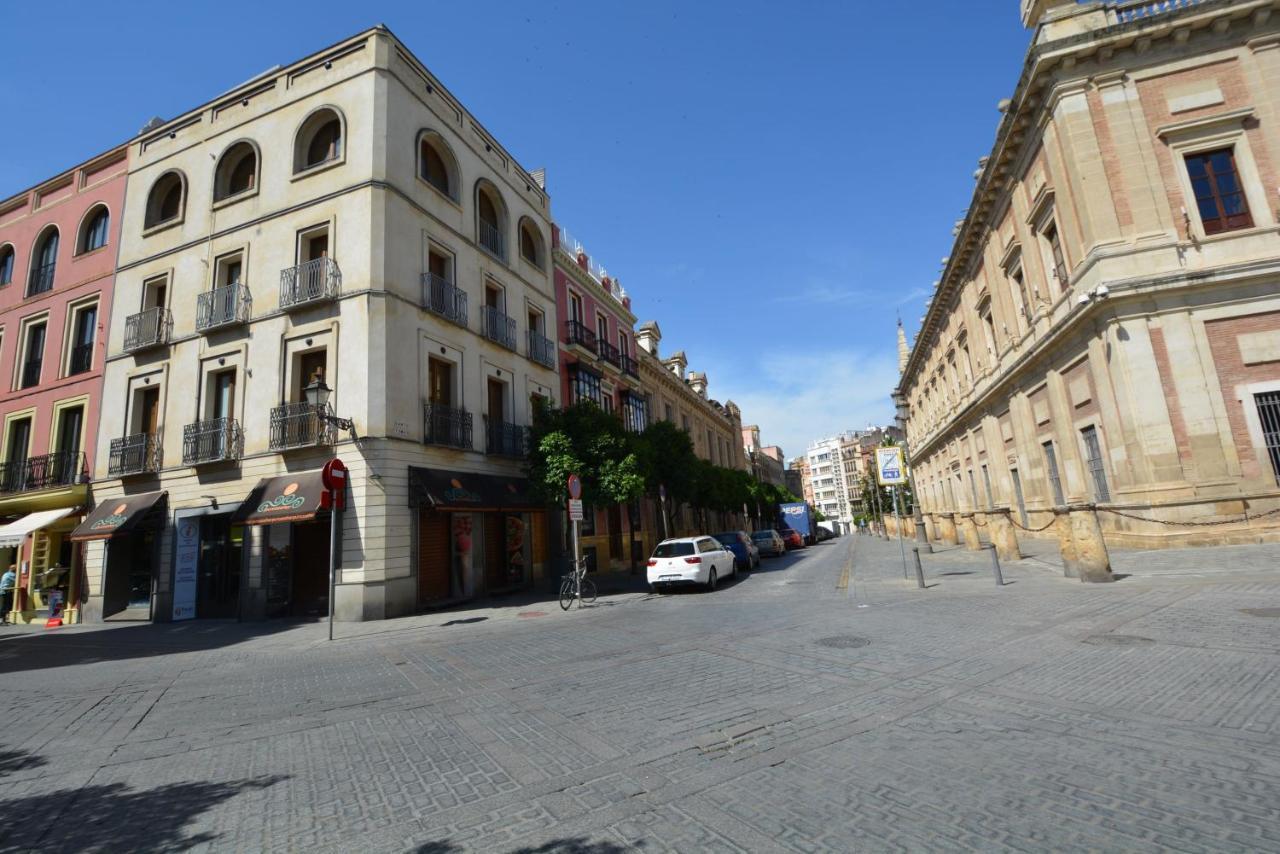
<point x="317" y="394"/>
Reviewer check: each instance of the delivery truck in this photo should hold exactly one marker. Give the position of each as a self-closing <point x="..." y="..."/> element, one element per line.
<point x="798" y="516"/>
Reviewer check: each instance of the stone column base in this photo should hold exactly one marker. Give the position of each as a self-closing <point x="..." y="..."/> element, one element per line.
<point x="1003" y="535"/>
<point x="969" y="527"/>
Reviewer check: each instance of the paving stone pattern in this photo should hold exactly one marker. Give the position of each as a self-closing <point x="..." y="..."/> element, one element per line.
<point x="786" y="711"/>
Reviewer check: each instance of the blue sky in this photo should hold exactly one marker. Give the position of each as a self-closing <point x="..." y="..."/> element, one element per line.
<point x="773" y="183"/>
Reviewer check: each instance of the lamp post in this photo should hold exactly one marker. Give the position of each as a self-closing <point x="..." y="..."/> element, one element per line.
<point x="901" y="411"/>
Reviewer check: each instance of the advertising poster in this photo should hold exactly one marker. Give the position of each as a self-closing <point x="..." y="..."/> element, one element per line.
<point x="185" y="568"/>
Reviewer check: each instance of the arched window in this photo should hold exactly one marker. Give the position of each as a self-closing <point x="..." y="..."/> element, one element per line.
<point x="43" y="263"/>
<point x="6" y="264"/>
<point x="319" y="140"/>
<point x="437" y="165"/>
<point x="93" y="234"/>
<point x="491" y="220"/>
<point x="530" y="243"/>
<point x="166" y="201"/>
<point x="237" y="171"/>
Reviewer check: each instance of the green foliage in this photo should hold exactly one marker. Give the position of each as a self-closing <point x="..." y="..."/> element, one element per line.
<point x="589" y="442"/>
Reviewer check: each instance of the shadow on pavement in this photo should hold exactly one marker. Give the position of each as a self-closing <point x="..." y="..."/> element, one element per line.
<point x="115" y="817"/>
<point x="574" y="845"/>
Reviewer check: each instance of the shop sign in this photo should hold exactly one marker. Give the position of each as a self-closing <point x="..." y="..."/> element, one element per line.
<point x="185" y="568"/>
<point x="288" y="499"/>
<point x="112" y="521"/>
<point x="459" y="494"/>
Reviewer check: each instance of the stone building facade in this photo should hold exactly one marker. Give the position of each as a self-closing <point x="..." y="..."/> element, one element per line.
<point x="1107" y="327"/>
<point x="340" y="226"/>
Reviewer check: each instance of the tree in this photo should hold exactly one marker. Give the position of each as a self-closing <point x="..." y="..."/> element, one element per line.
<point x="666" y="458"/>
<point x="591" y="443"/>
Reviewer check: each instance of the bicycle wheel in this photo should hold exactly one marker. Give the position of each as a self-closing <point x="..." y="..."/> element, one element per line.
<point x="588" y="593"/>
<point x="566" y="594"/>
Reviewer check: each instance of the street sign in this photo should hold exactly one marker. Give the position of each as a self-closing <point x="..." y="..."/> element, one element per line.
<point x="334" y="478"/>
<point x="890" y="470"/>
<point x="575" y="509"/>
<point x="575" y="487"/>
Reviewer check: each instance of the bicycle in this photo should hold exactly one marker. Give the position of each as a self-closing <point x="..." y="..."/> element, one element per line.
<point x="577" y="586"/>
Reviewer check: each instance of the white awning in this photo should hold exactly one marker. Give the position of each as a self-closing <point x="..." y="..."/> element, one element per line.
<point x="12" y="535"/>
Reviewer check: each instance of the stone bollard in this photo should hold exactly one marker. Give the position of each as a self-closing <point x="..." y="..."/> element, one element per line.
<point x="970" y="530"/>
<point x="1092" y="561"/>
<point x="1066" y="542"/>
<point x="915" y="553"/>
<point x="1003" y="535"/>
<point x="947" y="528"/>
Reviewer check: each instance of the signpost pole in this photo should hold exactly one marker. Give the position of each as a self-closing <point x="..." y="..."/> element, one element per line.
<point x="897" y="514"/>
<point x="662" y="496"/>
<point x="335" y="519"/>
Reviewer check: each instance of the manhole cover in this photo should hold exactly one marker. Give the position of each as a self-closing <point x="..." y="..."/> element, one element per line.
<point x="1117" y="640"/>
<point x="844" y="642"/>
<point x="1261" y="612"/>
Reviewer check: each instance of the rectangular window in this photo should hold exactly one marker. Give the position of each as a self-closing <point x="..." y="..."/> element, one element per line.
<point x="575" y="308"/>
<point x="13" y="474"/>
<point x="308" y="367"/>
<point x="986" y="483"/>
<point x="584" y="385"/>
<point x="146" y="411"/>
<point x="1017" y="494"/>
<point x="973" y="489"/>
<point x="439" y="382"/>
<point x="1057" y="258"/>
<point x="670" y="416"/>
<point x="33" y="356"/>
<point x="1093" y="458"/>
<point x="1269" y="415"/>
<point x="1055" y="482"/>
<point x="84" y="327"/>
<point x="1220" y="199"/>
<point x="602" y="328"/>
<point x="222" y="395"/>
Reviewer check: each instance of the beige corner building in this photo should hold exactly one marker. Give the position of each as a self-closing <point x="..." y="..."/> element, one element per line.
<point x="1107" y="326"/>
<point x="339" y="223"/>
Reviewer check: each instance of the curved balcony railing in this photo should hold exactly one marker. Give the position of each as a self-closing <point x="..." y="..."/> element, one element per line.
<point x="442" y="297"/>
<point x="446" y="425"/>
<point x="213" y="441"/>
<point x="225" y="306"/>
<point x="299" y="425"/>
<point x="313" y="281"/>
<point x="136" y="454"/>
<point x="148" y="328"/>
<point x="498" y="327"/>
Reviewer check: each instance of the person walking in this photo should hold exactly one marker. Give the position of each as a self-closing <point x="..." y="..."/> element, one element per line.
<point x="7" y="581"/>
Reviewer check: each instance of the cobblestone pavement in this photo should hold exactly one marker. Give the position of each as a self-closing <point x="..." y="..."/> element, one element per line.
<point x="822" y="703"/>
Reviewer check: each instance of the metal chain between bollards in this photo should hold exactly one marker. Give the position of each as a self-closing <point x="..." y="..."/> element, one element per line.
<point x="1033" y="530"/>
<point x="1245" y="518"/>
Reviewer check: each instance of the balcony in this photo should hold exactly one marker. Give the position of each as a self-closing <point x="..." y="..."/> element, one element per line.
<point x="31" y="372"/>
<point x="542" y="349"/>
<point x="41" y="280"/>
<point x="298" y="425"/>
<point x="214" y="441"/>
<point x="81" y="359"/>
<point x="491" y="240"/>
<point x="147" y="329"/>
<point x="314" y="281"/>
<point x="445" y="425"/>
<point x="610" y="354"/>
<point x="47" y="471"/>
<point x="497" y="326"/>
<point x="442" y="297"/>
<point x="136" y="454"/>
<point x="1128" y="11"/>
<point x="226" y="306"/>
<point x="505" y="440"/>
<point x="578" y="335"/>
<point x="630" y="366"/>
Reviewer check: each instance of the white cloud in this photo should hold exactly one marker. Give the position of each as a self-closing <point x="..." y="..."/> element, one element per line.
<point x="798" y="397"/>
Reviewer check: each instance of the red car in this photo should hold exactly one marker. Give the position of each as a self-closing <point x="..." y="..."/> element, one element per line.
<point x="792" y="538"/>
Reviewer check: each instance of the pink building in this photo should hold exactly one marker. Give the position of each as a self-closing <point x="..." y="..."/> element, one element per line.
<point x="597" y="364"/>
<point x="57" y="264"/>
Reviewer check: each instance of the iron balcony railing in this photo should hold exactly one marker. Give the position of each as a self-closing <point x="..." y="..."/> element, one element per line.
<point x="312" y="281"/>
<point x="630" y="366"/>
<point x="299" y="425"/>
<point x="81" y="358"/>
<point x="1136" y="10"/>
<point x="136" y="454"/>
<point x="31" y="371"/>
<point x="47" y="471"/>
<point x="225" y="306"/>
<point x="41" y="280"/>
<point x="445" y="425"/>
<point x="491" y="239"/>
<point x="148" y="328"/>
<point x="441" y="296"/>
<point x="578" y="333"/>
<point x="497" y="326"/>
<point x="505" y="440"/>
<point x="610" y="354"/>
<point x="213" y="441"/>
<point x="542" y="349"/>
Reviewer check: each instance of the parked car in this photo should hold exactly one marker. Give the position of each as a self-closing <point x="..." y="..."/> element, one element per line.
<point x="689" y="560"/>
<point x="792" y="538"/>
<point x="769" y="542"/>
<point x="745" y="551"/>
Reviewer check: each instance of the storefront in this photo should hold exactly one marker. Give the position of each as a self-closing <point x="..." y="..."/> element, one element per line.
<point x="46" y="565"/>
<point x="476" y="535"/>
<point x="290" y="517"/>
<point x="131" y="527"/>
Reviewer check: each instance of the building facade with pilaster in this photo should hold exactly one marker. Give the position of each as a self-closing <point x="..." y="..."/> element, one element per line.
<point x="1106" y="329"/>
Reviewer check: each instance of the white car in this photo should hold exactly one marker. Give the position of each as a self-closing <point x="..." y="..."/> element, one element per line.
<point x="689" y="560"/>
